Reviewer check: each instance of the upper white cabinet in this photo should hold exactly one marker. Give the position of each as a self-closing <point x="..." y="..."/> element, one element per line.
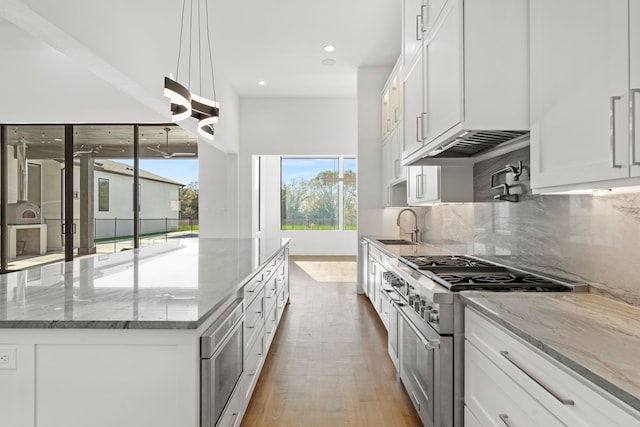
<point x="393" y="173"/>
<point x="427" y="185"/>
<point x="585" y="84"/>
<point x="470" y="75"/>
<point x="419" y="18"/>
<point x="391" y="113"/>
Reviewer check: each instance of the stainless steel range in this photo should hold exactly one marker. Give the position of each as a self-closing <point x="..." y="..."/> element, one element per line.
<point x="430" y="323"/>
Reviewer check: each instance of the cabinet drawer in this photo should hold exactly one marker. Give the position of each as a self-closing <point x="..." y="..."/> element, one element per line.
<point x="497" y="400"/>
<point x="254" y="287"/>
<point x="253" y="354"/>
<point x="270" y="288"/>
<point x="567" y="395"/>
<point x="254" y="313"/>
<point x="232" y="415"/>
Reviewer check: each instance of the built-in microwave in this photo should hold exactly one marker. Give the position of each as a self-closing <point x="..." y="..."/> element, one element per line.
<point x="221" y="364"/>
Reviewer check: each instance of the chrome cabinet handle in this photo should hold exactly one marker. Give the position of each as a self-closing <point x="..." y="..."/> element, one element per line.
<point x="505" y="419"/>
<point x="632" y="124"/>
<point x="419" y="128"/>
<point x="425" y="125"/>
<point x="419" y="27"/>
<point x="506" y="355"/>
<point x="419" y="186"/>
<point x="612" y="129"/>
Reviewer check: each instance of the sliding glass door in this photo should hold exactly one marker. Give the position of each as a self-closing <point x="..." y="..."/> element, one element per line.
<point x="77" y="190"/>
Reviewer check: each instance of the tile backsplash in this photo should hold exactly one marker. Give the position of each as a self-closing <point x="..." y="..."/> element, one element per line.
<point x="591" y="239"/>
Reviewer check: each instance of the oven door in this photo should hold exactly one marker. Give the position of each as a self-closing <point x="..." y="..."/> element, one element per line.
<point x="222" y="370"/>
<point x="426" y="368"/>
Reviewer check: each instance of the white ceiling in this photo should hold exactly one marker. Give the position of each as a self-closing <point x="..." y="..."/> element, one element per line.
<point x="132" y="44"/>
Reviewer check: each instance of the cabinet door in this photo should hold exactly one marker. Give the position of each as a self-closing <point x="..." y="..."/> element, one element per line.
<point x="399" y="171"/>
<point x="413" y="107"/>
<point x="634" y="64"/>
<point x="385" y="118"/>
<point x="579" y="91"/>
<point x="414" y="182"/>
<point x="387" y="165"/>
<point x="423" y="185"/>
<point x="443" y="61"/>
<point x="412" y="28"/>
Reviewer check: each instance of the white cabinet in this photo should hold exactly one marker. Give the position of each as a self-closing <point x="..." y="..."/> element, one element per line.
<point x="584" y="86"/>
<point x="494" y="398"/>
<point x="413" y="105"/>
<point x="376" y="271"/>
<point x="507" y="379"/>
<point x="390" y="113"/>
<point x="419" y="17"/>
<point x="427" y="185"/>
<point x="469" y="78"/>
<point x="393" y="173"/>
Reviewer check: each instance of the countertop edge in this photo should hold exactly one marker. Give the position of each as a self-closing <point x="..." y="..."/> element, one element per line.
<point x="584" y="372"/>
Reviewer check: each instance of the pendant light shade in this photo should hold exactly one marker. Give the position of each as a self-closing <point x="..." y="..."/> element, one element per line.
<point x="185" y="103"/>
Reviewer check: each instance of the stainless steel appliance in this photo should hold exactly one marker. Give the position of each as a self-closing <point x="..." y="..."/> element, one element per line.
<point x="431" y="324"/>
<point x="221" y="365"/>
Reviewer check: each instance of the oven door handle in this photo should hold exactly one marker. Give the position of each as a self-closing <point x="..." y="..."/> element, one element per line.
<point x="428" y="344"/>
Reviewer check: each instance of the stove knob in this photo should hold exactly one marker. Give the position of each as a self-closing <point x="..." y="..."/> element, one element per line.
<point x="434" y="316"/>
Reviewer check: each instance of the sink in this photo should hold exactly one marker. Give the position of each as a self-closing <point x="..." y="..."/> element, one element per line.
<point x="395" y="242"/>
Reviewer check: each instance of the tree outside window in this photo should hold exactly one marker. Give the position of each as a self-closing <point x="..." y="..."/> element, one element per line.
<point x="316" y="194"/>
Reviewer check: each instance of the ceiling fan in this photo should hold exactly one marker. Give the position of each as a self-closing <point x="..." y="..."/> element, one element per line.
<point x="166" y="154"/>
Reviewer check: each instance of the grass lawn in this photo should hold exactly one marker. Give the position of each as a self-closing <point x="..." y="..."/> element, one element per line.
<point x="316" y="227"/>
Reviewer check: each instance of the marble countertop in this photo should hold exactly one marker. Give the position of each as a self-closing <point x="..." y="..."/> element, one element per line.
<point x="595" y="336"/>
<point x="177" y="285"/>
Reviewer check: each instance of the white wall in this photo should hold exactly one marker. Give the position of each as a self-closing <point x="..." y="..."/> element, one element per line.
<point x="295" y="127"/>
<point x="218" y="170"/>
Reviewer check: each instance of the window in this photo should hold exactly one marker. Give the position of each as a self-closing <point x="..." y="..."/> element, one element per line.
<point x="103" y="195"/>
<point x="350" y="202"/>
<point x="318" y="193"/>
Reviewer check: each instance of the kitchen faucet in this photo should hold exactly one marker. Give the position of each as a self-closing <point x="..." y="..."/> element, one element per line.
<point x="416" y="230"/>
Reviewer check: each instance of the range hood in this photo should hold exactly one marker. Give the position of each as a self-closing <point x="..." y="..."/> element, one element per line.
<point x="471" y="143"/>
<point x="464" y="146"/>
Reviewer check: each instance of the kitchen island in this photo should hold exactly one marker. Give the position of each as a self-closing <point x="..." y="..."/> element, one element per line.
<point x="114" y="339"/>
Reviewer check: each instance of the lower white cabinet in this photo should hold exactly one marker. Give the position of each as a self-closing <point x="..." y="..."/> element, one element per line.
<point x="497" y="400"/>
<point x="510" y="382"/>
<point x="265" y="298"/>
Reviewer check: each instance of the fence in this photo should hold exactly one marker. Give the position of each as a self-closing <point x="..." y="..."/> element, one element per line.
<point x="120" y="229"/>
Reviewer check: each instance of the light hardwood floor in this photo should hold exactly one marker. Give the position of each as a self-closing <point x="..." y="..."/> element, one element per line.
<point x="328" y="364"/>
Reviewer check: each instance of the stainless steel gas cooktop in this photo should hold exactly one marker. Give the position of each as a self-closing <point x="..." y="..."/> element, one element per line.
<point x="461" y="272"/>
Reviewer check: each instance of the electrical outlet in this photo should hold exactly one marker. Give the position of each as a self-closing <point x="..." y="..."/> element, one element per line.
<point x="7" y="357"/>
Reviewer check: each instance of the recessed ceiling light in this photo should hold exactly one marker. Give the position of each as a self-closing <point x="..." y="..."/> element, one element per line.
<point x="328" y="62"/>
<point x="262" y="83"/>
<point x="329" y="48"/>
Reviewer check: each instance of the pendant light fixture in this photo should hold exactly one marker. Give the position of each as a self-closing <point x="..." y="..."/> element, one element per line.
<point x="184" y="102"/>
